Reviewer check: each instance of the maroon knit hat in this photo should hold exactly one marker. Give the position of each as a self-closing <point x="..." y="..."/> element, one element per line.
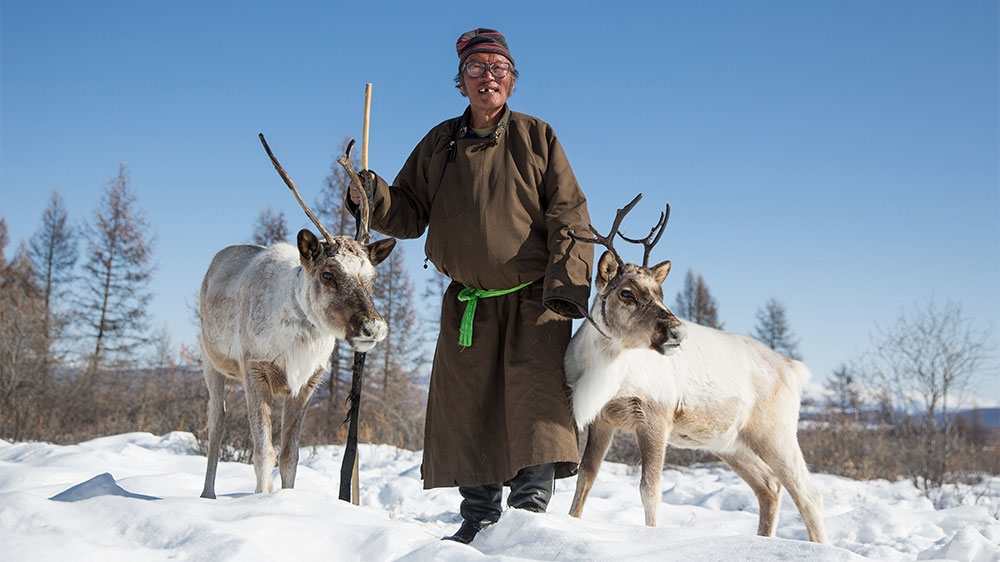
<point x="482" y="40"/>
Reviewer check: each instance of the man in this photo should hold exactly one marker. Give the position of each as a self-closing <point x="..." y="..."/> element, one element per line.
<point x="497" y="197"/>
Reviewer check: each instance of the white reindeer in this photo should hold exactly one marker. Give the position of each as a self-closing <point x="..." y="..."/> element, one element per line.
<point x="270" y="318"/>
<point x="636" y="366"/>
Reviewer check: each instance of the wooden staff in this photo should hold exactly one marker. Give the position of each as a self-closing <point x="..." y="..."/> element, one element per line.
<point x="364" y="132"/>
<point x="349" y="473"/>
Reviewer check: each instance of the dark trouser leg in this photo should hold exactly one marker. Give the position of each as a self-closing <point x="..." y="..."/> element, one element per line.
<point x="480" y="509"/>
<point x="531" y="488"/>
<point x="481" y="503"/>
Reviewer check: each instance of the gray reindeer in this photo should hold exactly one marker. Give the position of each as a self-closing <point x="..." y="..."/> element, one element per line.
<point x="270" y="318"/>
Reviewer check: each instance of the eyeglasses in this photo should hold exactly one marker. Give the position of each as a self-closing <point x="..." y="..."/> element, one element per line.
<point x="477" y="69"/>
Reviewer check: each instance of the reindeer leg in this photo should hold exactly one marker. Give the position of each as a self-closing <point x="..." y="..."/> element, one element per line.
<point x="783" y="455"/>
<point x="259" y="399"/>
<point x="795" y="476"/>
<point x="598" y="440"/>
<point x="216" y="382"/>
<point x="652" y="438"/>
<point x="292" y="416"/>
<point x="762" y="480"/>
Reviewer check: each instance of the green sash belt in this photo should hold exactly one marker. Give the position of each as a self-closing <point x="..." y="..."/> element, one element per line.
<point x="471" y="296"/>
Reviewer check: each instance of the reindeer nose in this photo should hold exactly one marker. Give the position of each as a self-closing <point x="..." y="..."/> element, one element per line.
<point x="375" y="329"/>
<point x="678" y="332"/>
<point x="669" y="334"/>
<point x="369" y="333"/>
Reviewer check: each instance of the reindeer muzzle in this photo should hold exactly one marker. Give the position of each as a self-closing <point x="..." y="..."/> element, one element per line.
<point x="370" y="333"/>
<point x="668" y="339"/>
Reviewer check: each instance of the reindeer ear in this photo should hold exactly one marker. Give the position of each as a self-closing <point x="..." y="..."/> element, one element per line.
<point x="378" y="251"/>
<point x="309" y="246"/>
<point x="660" y="272"/>
<point x="607" y="268"/>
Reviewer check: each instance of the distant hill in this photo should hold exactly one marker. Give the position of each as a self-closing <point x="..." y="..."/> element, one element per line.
<point x="817" y="401"/>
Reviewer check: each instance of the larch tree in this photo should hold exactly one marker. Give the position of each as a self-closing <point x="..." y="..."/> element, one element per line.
<point x="695" y="302"/>
<point x="54" y="255"/>
<point x="399" y="359"/>
<point x="772" y="329"/>
<point x="846" y="397"/>
<point x="116" y="276"/>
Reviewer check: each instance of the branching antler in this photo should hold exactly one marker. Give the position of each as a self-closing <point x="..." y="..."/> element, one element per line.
<point x="291" y="185"/>
<point x="651" y="240"/>
<point x="608" y="241"/>
<point x="364" y="234"/>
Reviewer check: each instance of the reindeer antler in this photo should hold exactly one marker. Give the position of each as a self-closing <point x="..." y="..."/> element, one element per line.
<point x="650" y="241"/>
<point x="363" y="234"/>
<point x="291" y="185"/>
<point x="609" y="240"/>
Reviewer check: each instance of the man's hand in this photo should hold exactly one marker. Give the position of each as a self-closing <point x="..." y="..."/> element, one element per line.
<point x="353" y="190"/>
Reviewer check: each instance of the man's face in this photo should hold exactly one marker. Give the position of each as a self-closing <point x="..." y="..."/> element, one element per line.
<point x="487" y="93"/>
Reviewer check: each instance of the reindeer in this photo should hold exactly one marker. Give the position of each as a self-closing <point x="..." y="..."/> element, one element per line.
<point x="634" y="365"/>
<point x="270" y="318"/>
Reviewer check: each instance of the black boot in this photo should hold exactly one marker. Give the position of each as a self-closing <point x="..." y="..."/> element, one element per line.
<point x="480" y="509"/>
<point x="531" y="487"/>
<point x="468" y="531"/>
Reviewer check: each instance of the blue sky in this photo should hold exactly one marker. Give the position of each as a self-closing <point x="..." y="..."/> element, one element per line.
<point x="840" y="157"/>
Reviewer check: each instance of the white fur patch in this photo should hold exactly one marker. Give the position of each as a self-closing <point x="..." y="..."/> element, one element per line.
<point x="709" y="367"/>
<point x="355" y="265"/>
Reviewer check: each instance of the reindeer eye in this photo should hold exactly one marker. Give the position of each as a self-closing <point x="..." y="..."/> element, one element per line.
<point x="627" y="295"/>
<point x="330" y="280"/>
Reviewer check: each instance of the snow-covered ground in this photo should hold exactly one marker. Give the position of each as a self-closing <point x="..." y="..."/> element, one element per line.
<point x="135" y="497"/>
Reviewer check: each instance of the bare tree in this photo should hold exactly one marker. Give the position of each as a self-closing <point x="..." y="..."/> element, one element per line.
<point x="695" y="302"/>
<point x="930" y="356"/>
<point x="23" y="345"/>
<point x="116" y="275"/>
<point x="773" y="331"/>
<point x="54" y="255"/>
<point x="399" y="360"/>
<point x="933" y="353"/>
<point x="270" y="227"/>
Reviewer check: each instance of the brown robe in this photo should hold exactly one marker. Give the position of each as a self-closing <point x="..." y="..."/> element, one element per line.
<point x="497" y="213"/>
